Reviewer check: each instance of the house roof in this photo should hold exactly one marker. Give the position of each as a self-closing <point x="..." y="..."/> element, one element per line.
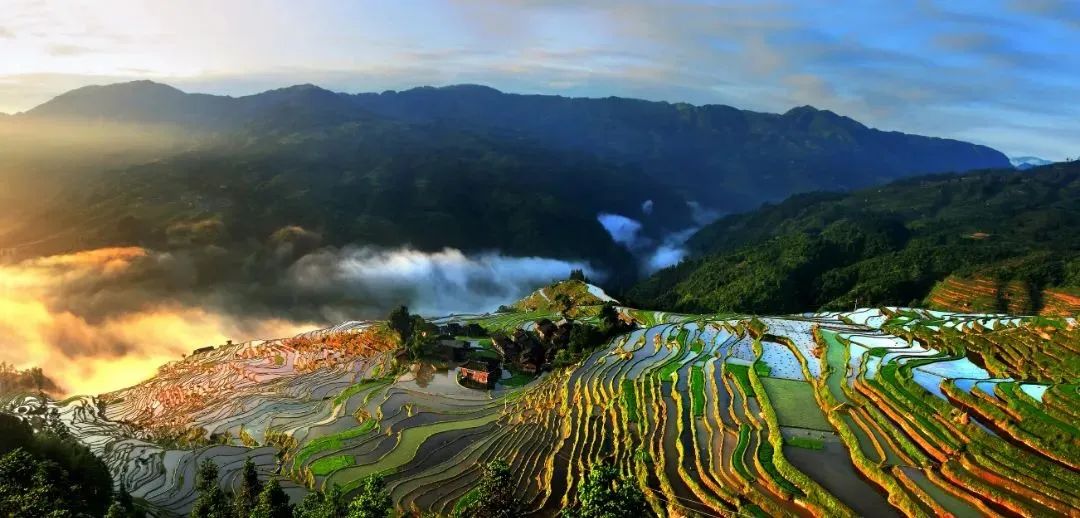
<point x="478" y="366"/>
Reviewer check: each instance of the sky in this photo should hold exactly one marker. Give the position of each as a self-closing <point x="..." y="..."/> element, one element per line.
<point x="998" y="72"/>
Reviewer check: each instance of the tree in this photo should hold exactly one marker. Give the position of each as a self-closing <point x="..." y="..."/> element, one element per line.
<point x="116" y="511"/>
<point x="247" y="495"/>
<point x="373" y="500"/>
<point x="563" y="302"/>
<point x="401" y="321"/>
<point x="609" y="318"/>
<point x="330" y="504"/>
<point x="211" y="501"/>
<point x="494" y="495"/>
<point x="605" y="494"/>
<point x="273" y="502"/>
<point x="124" y="505"/>
<point x="578" y="275"/>
<point x="423" y="334"/>
<point x="41" y="473"/>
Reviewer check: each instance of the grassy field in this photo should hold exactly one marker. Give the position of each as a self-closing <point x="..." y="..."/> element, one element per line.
<point x="333" y="442"/>
<point x="697" y="391"/>
<point x="328" y="465"/>
<point x="795" y="404"/>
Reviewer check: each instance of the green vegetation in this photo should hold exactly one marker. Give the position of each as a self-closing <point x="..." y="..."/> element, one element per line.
<point x="606" y="494"/>
<point x="493" y="497"/>
<point x="697" y="391"/>
<point x="333" y="442"/>
<point x="517" y="379"/>
<point x="328" y="465"/>
<point x="795" y="404"/>
<point x="46" y="472"/>
<point x="739" y="372"/>
<point x="372" y="500"/>
<point x="884" y="246"/>
<point x="737" y="457"/>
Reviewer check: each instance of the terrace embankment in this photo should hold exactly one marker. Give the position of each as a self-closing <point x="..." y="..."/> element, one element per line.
<point x="876" y="412"/>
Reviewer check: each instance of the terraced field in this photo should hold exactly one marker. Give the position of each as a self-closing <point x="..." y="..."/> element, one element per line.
<point x="878" y="412"/>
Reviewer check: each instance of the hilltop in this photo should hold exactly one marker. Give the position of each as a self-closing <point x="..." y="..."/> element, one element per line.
<point x="564" y="294"/>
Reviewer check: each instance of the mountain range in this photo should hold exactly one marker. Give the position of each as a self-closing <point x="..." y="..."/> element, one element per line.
<point x="718" y="155"/>
<point x="462" y="166"/>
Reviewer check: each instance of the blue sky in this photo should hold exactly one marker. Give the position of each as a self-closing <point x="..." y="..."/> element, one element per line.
<point x="997" y="72"/>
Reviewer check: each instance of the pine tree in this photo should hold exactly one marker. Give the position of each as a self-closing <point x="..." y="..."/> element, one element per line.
<point x="605" y="494"/>
<point x="330" y="504"/>
<point x="373" y="500"/>
<point x="211" y="502"/>
<point x="494" y="496"/>
<point x="116" y="511"/>
<point x="273" y="502"/>
<point x="247" y="496"/>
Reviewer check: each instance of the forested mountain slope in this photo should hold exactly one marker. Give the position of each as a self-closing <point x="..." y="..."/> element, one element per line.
<point x="1016" y="232"/>
<point x="724" y="157"/>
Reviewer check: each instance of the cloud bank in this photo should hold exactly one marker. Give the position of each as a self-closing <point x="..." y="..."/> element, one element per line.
<point x="432" y="284"/>
<point x="104" y="319"/>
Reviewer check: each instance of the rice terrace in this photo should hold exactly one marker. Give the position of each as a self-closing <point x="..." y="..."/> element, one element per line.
<point x="875" y="412"/>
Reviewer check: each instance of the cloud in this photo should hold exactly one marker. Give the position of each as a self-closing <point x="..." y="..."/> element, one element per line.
<point x="68" y="50"/>
<point x="872" y="61"/>
<point x="669" y="253"/>
<point x="431" y="284"/>
<point x="654" y="254"/>
<point x="100" y="320"/>
<point x="109" y="349"/>
<point x="623" y="230"/>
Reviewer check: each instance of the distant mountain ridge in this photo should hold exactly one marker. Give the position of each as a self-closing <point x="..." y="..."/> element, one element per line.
<point x="727" y="158"/>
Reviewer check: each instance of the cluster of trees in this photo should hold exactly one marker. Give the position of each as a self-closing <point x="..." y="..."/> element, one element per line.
<point x="603" y="494"/>
<point x="256" y="499"/>
<point x="12" y="379"/>
<point x="888" y="245"/>
<point x="416" y="333"/>
<point x="585" y="338"/>
<point x="47" y="473"/>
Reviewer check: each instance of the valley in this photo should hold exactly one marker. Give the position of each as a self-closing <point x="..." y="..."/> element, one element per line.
<point x="876" y="411"/>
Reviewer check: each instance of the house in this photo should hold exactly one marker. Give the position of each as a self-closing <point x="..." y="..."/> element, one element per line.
<point x="506" y="347"/>
<point x="451" y="349"/>
<point x="479" y="374"/>
<point x="532" y="359"/>
<point x="545" y="329"/>
<point x="451" y="329"/>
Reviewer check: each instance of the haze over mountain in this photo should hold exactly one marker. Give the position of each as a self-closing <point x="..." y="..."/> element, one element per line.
<point x="726" y="158"/>
<point x="1027" y="162"/>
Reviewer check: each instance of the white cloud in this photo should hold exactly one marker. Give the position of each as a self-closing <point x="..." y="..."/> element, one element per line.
<point x="432" y="284"/>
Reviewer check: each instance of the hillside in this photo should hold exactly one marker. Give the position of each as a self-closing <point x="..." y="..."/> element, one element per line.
<point x="879" y="412"/>
<point x="723" y="157"/>
<point x="565" y="294"/>
<point x="1015" y="232"/>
